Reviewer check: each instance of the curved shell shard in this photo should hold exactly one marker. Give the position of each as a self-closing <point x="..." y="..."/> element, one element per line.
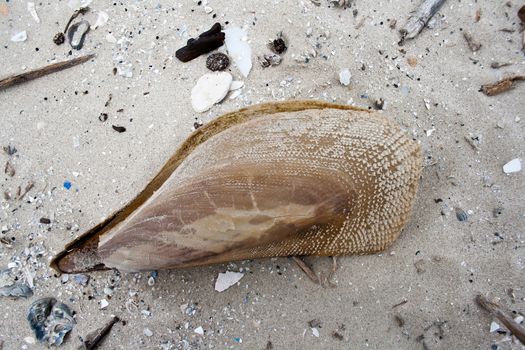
<point x="290" y="178"/>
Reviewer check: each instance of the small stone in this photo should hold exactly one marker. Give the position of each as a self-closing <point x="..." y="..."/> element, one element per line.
<point x="199" y="330"/>
<point x="103" y="304"/>
<point x="148" y="332"/>
<point x="345" y="76"/>
<point x="519" y="319"/>
<point x="217" y="62"/>
<point x="45" y="221"/>
<point x="269" y="60"/>
<point x="513" y="166"/>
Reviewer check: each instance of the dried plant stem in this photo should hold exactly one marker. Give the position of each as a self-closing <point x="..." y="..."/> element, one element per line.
<point x="500" y="86"/>
<point x="306" y="269"/>
<point x="40" y="72"/>
<point x="419" y="18"/>
<point x="496" y="311"/>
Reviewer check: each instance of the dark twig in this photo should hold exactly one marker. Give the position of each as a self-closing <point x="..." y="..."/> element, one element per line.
<point x="496" y="311"/>
<point x="40" y="72"/>
<point x="93" y="339"/>
<point x="306" y="269"/>
<point x="419" y="18"/>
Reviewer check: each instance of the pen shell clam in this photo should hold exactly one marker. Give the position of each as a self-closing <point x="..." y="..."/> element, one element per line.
<point x="278" y="179"/>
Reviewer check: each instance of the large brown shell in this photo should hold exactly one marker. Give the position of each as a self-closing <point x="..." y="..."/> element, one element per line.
<point x="277" y="179"/>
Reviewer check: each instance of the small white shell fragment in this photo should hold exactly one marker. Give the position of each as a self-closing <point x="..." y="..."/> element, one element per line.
<point x="19" y="37"/>
<point x="111" y="38"/>
<point x="210" y="89"/>
<point x="345" y="76"/>
<point x="148" y="332"/>
<point x="199" y="330"/>
<point x="102" y="19"/>
<point x="315" y="332"/>
<point x="29" y="340"/>
<point x="235" y="94"/>
<point x="236" y="84"/>
<point x="103" y="304"/>
<point x="519" y="319"/>
<point x="238" y="48"/>
<point x="513" y="166"/>
<point x="429" y="132"/>
<point x="32" y="11"/>
<point x="77" y="4"/>
<point x="226" y="280"/>
<point x="208" y="9"/>
<point x="494" y="327"/>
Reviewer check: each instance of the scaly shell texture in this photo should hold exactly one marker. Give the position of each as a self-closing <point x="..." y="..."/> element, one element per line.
<point x="295" y="178"/>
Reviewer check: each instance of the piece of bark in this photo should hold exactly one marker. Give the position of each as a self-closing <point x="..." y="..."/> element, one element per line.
<point x="471" y="42"/>
<point x="40" y="72"/>
<point x="496" y="311"/>
<point x="500" y="86"/>
<point x="416" y="22"/>
<point x="93" y="339"/>
<point x="206" y="42"/>
<point x="521" y="14"/>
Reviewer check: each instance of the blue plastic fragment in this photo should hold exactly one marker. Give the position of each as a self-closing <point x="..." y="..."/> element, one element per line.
<point x="67" y="184"/>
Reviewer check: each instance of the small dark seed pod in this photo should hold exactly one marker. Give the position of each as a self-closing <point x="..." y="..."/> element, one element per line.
<point x="217" y="62"/>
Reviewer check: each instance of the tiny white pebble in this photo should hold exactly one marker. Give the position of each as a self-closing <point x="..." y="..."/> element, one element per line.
<point x="103" y="304"/>
<point x="199" y="330"/>
<point x="148" y="332"/>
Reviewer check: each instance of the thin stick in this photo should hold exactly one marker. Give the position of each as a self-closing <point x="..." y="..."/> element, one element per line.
<point x="306" y="269"/>
<point x="419" y="18"/>
<point x="496" y="311"/>
<point x="40" y="72"/>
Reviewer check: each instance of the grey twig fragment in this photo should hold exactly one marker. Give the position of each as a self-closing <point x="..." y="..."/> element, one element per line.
<point x="419" y="18"/>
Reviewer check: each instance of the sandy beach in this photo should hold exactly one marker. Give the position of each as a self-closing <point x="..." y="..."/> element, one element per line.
<point x="418" y="294"/>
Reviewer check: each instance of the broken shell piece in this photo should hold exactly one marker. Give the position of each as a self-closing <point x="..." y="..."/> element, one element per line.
<point x="513" y="166"/>
<point x="50" y="320"/>
<point x="269" y="60"/>
<point x="19" y="37"/>
<point x="227" y="279"/>
<point x="16" y="291"/>
<point x="238" y="49"/>
<point x="236" y="85"/>
<point x="102" y="19"/>
<point x="76" y="34"/>
<point x="345" y="76"/>
<point x="277" y="179"/>
<point x="32" y="11"/>
<point x="210" y="89"/>
<point x="78" y="4"/>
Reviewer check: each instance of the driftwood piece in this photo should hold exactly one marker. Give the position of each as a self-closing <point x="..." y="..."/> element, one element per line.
<point x="500" y="86"/>
<point x="206" y="42"/>
<point x="93" y="339"/>
<point x="496" y="311"/>
<point x="419" y="18"/>
<point x="40" y="72"/>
